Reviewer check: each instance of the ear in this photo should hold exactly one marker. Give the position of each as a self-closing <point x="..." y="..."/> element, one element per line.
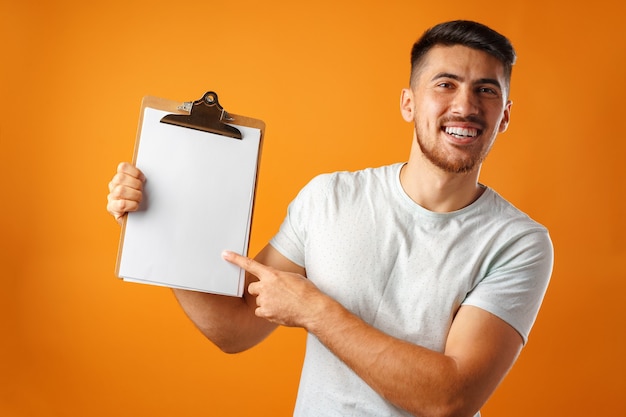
<point x="406" y="105"/>
<point x="506" y="117"/>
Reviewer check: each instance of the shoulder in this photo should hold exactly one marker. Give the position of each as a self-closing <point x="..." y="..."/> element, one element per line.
<point x="518" y="262"/>
<point x="508" y="215"/>
<point x="510" y="235"/>
<point x="522" y="242"/>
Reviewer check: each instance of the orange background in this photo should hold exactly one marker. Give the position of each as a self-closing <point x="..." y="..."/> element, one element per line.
<point x="325" y="76"/>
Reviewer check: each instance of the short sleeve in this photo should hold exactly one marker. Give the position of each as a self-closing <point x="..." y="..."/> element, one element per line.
<point x="291" y="238"/>
<point x="517" y="281"/>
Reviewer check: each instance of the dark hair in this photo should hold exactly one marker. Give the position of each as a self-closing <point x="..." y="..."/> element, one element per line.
<point x="467" y="33"/>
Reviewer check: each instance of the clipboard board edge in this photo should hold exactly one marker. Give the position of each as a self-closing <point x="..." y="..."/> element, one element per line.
<point x="175" y="107"/>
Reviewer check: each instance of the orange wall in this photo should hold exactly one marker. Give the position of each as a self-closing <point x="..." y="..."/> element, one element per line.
<point x="325" y="76"/>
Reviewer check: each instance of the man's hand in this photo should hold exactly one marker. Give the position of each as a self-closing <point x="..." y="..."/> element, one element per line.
<point x="125" y="191"/>
<point x="284" y="298"/>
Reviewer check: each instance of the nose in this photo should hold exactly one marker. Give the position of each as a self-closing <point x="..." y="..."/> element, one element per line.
<point x="465" y="103"/>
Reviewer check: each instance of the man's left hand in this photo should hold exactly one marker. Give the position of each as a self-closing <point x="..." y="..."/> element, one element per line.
<point x="283" y="298"/>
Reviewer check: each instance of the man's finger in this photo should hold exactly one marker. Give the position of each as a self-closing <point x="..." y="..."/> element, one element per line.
<point x="243" y="262"/>
<point x="129" y="169"/>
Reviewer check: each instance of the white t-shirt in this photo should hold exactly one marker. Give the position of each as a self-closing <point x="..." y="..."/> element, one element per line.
<point x="406" y="271"/>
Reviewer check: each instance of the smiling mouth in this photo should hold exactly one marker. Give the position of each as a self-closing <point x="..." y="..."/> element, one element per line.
<point x="462" y="132"/>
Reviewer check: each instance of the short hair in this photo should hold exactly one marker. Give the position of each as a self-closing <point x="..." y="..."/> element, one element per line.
<point x="466" y="33"/>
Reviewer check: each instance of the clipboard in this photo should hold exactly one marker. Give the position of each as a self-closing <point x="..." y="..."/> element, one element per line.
<point x="201" y="166"/>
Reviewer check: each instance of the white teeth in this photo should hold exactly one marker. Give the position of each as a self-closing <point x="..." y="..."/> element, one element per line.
<point x="461" y="132"/>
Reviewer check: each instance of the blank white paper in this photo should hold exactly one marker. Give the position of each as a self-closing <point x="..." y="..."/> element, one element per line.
<point x="198" y="201"/>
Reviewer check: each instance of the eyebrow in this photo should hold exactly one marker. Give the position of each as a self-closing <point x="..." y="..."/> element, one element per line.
<point x="491" y="81"/>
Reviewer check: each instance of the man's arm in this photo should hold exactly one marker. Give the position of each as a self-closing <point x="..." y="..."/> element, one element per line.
<point x="229" y="322"/>
<point x="480" y="348"/>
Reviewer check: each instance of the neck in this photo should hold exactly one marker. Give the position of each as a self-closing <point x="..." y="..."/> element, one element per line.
<point x="435" y="189"/>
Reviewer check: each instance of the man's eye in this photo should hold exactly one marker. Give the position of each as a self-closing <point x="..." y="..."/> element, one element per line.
<point x="487" y="90"/>
<point x="444" y="85"/>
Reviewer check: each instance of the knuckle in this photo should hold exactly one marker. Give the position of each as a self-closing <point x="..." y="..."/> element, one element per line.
<point x="117" y="191"/>
<point x="126" y="179"/>
<point x="117" y="180"/>
<point x="124" y="167"/>
<point x="129" y="170"/>
<point x="117" y="206"/>
<point x="249" y="263"/>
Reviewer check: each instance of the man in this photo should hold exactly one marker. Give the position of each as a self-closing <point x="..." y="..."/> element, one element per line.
<point x="417" y="285"/>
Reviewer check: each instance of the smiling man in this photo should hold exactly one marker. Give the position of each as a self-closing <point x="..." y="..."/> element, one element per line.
<point x="417" y="285"/>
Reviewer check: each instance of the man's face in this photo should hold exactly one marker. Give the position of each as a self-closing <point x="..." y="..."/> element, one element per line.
<point x="459" y="104"/>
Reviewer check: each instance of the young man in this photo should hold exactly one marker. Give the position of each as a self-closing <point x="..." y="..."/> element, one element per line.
<point x="417" y="285"/>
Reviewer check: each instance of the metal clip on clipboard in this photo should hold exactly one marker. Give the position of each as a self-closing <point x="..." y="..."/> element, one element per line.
<point x="207" y="115"/>
<point x="176" y="240"/>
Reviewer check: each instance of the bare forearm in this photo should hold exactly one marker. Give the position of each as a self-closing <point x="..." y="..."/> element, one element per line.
<point x="413" y="378"/>
<point x="480" y="347"/>
<point x="421" y="381"/>
<point x="228" y="322"/>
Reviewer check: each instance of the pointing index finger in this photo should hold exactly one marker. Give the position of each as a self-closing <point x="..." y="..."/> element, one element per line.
<point x="244" y="262"/>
